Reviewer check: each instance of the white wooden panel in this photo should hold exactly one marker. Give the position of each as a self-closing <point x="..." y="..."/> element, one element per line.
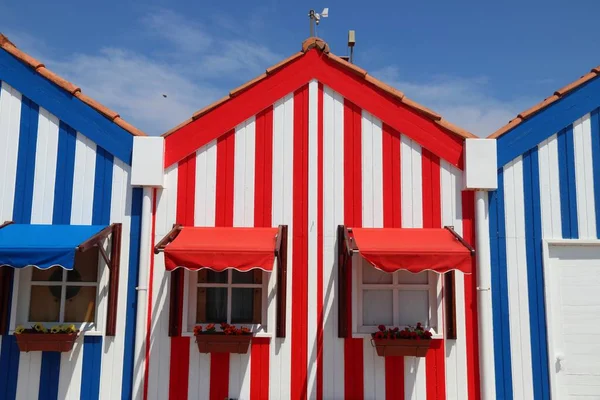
<point x="28" y="377"/>
<point x="414" y="378"/>
<point x="372" y="171"/>
<point x="199" y="377"/>
<point x="243" y="174"/>
<point x="333" y="215"/>
<point x="10" y="117"/>
<point x="456" y="358"/>
<point x="45" y="168"/>
<point x="480" y="164"/>
<point x="518" y="297"/>
<point x="412" y="183"/>
<point x="83" y="181"/>
<point x="549" y="188"/>
<point x="373" y="372"/>
<point x="283" y="140"/>
<point x="584" y="178"/>
<point x="147" y="161"/>
<point x="71" y="368"/>
<point x="206" y="185"/>
<point x="313" y="120"/>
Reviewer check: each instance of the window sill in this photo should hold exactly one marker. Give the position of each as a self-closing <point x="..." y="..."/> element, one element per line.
<point x="84" y="333"/>
<point x="254" y="335"/>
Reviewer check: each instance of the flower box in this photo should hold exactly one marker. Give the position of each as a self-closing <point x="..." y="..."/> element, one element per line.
<point x="221" y="343"/>
<point x="401" y="347"/>
<point x="60" y="342"/>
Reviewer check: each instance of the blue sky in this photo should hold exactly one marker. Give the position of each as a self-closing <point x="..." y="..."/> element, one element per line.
<point x="477" y="63"/>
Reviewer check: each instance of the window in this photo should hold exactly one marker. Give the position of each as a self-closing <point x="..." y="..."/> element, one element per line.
<point x="395" y="299"/>
<point x="231" y="296"/>
<point x="60" y="296"/>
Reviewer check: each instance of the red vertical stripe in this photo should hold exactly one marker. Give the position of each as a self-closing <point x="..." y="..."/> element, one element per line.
<point x="225" y="165"/>
<point x="219" y="376"/>
<point x="394" y="366"/>
<point x="263" y="204"/>
<point x="435" y="376"/>
<point x="150" y="288"/>
<point x="299" y="297"/>
<point x="219" y="363"/>
<point x="263" y="167"/>
<point x="392" y="215"/>
<point x="353" y="348"/>
<point x="180" y="346"/>
<point x="320" y="244"/>
<point x="471" y="323"/>
<point x="259" y="369"/>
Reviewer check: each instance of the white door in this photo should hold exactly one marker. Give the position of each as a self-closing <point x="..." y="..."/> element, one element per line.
<point x="572" y="291"/>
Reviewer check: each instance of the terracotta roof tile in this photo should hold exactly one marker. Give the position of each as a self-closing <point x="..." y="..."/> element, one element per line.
<point x="348" y="65"/>
<point x="247" y="85"/>
<point x="322" y="46"/>
<point x="523" y="116"/>
<point x="209" y="107"/>
<point x="57" y="80"/>
<point x="527" y="113"/>
<point x="422" y="109"/>
<point x="282" y="63"/>
<point x="385" y="87"/>
<point x="110" y="114"/>
<point x="39" y="67"/>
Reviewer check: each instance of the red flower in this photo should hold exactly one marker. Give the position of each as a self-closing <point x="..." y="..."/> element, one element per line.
<point x="224" y="325"/>
<point x="379" y="335"/>
<point x="210" y="327"/>
<point x="245" y="330"/>
<point x="418" y="325"/>
<point x="381" y="328"/>
<point x="197" y="329"/>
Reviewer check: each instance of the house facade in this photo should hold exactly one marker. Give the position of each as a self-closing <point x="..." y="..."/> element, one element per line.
<point x="544" y="248"/>
<point x="65" y="175"/>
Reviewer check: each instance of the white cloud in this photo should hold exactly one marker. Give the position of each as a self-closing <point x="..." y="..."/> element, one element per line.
<point x="466" y="102"/>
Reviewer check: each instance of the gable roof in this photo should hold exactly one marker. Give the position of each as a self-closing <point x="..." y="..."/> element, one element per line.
<point x="557" y="95"/>
<point x="293" y="73"/>
<point x="69" y="87"/>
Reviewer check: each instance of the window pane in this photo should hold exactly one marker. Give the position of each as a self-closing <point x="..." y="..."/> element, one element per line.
<point x="414" y="307"/>
<point x="373" y="275"/>
<point x="208" y="276"/>
<point x="410" y="278"/>
<point x="44" y="306"/>
<point x="216" y="305"/>
<point x="254" y="276"/>
<point x="245" y="306"/>
<point x="53" y="274"/>
<point x="81" y="307"/>
<point x="377" y="307"/>
<point x="86" y="267"/>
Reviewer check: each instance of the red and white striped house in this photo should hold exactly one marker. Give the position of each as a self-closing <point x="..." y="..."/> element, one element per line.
<point x="312" y="144"/>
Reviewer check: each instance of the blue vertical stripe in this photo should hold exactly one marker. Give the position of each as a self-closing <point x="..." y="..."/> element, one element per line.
<point x="102" y="187"/>
<point x="535" y="274"/>
<point x="26" y="161"/>
<point x="65" y="167"/>
<point x="49" y="373"/>
<point x="502" y="360"/>
<point x="568" y="190"/>
<point x="595" y="121"/>
<point x="132" y="283"/>
<point x="90" y="375"/>
<point x="9" y="366"/>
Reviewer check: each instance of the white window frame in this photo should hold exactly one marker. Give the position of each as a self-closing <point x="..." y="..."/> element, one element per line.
<point x="434" y="288"/>
<point x="21" y="298"/>
<point x="190" y="294"/>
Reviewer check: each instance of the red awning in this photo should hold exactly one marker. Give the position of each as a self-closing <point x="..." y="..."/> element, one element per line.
<point x="220" y="248"/>
<point x="412" y="249"/>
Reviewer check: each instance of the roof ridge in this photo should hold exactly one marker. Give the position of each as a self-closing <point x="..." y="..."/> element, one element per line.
<point x="322" y="46"/>
<point x="557" y="95"/>
<point x="71" y="88"/>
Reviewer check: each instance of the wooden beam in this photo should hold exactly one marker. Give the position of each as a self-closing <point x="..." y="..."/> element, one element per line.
<point x="160" y="246"/>
<point x="176" y="302"/>
<point x="460" y="239"/>
<point x="96" y="239"/>
<point x="342" y="293"/>
<point x="113" y="280"/>
<point x="282" y="280"/>
<point x="6" y="275"/>
<point x="6" y="223"/>
<point x="450" y="304"/>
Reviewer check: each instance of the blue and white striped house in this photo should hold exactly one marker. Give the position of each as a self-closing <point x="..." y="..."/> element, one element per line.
<point x="544" y="226"/>
<point x="65" y="160"/>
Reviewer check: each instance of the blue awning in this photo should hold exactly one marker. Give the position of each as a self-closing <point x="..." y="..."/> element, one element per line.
<point x="43" y="246"/>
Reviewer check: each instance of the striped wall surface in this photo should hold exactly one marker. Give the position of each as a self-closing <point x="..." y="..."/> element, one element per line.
<point x="52" y="174"/>
<point x="551" y="191"/>
<point x="313" y="160"/>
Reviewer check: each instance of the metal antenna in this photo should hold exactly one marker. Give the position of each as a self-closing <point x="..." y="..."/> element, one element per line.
<point x="315" y="18"/>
